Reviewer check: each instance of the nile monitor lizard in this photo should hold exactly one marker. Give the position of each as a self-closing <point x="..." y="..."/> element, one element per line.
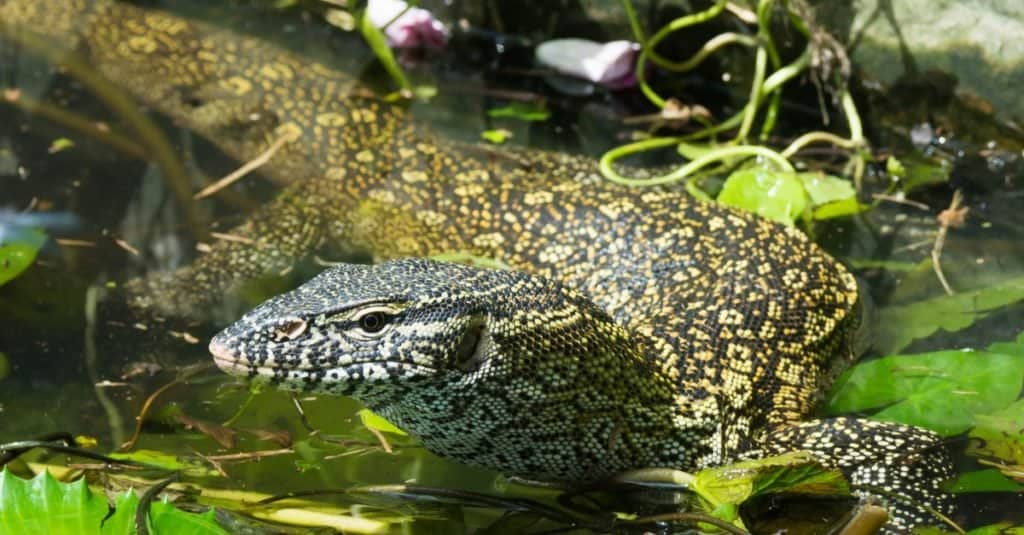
<point x="637" y="327"/>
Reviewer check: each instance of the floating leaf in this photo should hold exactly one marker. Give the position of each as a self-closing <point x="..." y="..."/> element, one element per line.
<point x="990" y="480"/>
<point x="775" y="195"/>
<point x="18" y="249"/>
<point x="897" y="326"/>
<point x="796" y="472"/>
<point x="496" y="136"/>
<point x="1000" y="434"/>
<point x="941" y="391"/>
<point x="375" y="421"/>
<point x="525" y="111"/>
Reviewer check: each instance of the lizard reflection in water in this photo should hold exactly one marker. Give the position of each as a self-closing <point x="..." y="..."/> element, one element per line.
<point x="637" y="328"/>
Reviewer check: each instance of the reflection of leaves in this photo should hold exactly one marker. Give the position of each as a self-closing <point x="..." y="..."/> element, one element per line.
<point x="166" y="461"/>
<point x="897" y="326"/>
<point x="45" y="505"/>
<point x="18" y="250"/>
<point x="795" y="472"/>
<point x="496" y="136"/>
<point x="773" y="195"/>
<point x="942" y="391"/>
<point x="525" y="111"/>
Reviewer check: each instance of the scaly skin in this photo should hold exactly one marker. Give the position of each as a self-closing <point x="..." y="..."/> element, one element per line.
<point x="707" y="332"/>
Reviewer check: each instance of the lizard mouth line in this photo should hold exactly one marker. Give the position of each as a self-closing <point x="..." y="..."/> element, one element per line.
<point x="229" y="362"/>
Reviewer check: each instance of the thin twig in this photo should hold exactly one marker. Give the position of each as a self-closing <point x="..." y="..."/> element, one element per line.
<point x="900" y="200"/>
<point x="247" y="167"/>
<point x="950" y="217"/>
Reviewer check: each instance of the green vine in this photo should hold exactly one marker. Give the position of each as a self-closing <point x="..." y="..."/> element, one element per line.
<point x="769" y="78"/>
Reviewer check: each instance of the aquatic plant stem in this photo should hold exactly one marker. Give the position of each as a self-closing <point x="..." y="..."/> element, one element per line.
<point x="713" y="156"/>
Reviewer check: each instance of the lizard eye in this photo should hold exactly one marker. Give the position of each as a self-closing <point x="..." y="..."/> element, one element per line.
<point x="373" y="322"/>
<point x="290" y="330"/>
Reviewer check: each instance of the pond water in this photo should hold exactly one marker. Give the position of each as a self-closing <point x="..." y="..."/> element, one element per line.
<point x="74" y="358"/>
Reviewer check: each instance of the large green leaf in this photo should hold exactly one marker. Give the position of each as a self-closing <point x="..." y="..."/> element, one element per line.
<point x="45" y="506"/>
<point x="898" y="326"/>
<point x="990" y="480"/>
<point x="942" y="391"/>
<point x="774" y="195"/>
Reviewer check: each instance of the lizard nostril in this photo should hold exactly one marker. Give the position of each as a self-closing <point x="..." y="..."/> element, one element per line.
<point x="290" y="330"/>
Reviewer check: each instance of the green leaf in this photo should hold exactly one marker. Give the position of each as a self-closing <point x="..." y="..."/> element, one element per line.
<point x="775" y="195"/>
<point x="1000" y="434"/>
<point x="375" y="421"/>
<point x="795" y="472"/>
<point x="841" y="208"/>
<point x="895" y="167"/>
<point x="526" y="111"/>
<point x="18" y="251"/>
<point x="897" y="326"/>
<point x="379" y="44"/>
<point x="942" y="391"/>
<point x="43" y="505"/>
<point x="990" y="480"/>
<point x="824" y="189"/>
<point x="496" y="136"/>
<point x="59" y="144"/>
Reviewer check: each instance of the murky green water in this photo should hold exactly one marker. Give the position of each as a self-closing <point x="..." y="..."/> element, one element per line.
<point x="72" y="358"/>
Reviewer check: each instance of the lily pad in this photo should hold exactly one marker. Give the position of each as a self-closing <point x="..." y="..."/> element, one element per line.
<point x="942" y="391"/>
<point x="774" y="195"/>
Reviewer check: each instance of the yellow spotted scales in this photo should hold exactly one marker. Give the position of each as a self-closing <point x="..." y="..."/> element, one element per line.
<point x="636" y="328"/>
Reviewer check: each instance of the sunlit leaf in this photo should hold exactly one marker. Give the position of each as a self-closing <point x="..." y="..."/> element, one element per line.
<point x="895" y="167"/>
<point x="373" y="420"/>
<point x="942" y="391"/>
<point x="796" y="472"/>
<point x="897" y="326"/>
<point x="496" y="136"/>
<point x="60" y="144"/>
<point x="44" y="505"/>
<point x="824" y="189"/>
<point x="843" y="208"/>
<point x="18" y="249"/>
<point x="990" y="480"/>
<point x="525" y="111"/>
<point x="775" y="195"/>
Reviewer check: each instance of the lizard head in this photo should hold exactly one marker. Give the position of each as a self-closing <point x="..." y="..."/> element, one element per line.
<point x="364" y="331"/>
